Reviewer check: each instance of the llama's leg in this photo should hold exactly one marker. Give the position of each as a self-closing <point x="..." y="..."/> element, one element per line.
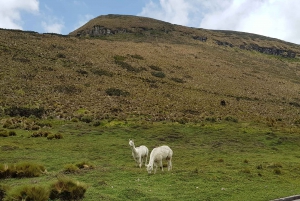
<point x="161" y="165"/>
<point x="169" y="165"/>
<point x="155" y="168"/>
<point x="140" y="162"/>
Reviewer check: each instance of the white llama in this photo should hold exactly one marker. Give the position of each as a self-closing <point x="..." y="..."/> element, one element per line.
<point x="139" y="153"/>
<point x="157" y="155"/>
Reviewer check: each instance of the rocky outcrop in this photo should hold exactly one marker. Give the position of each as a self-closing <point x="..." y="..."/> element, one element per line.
<point x="99" y="31"/>
<point x="201" y="38"/>
<point x="264" y="50"/>
<point x="269" y="50"/>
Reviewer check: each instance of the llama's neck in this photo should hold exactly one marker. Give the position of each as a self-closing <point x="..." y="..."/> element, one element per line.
<point x="151" y="161"/>
<point x="134" y="150"/>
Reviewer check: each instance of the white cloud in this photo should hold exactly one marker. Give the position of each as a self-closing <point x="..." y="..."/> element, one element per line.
<point x="274" y="18"/>
<point x="173" y="11"/>
<point x="53" y="25"/>
<point x="10" y="12"/>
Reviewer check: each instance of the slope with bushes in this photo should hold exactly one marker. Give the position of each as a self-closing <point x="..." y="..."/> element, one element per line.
<point x="152" y="70"/>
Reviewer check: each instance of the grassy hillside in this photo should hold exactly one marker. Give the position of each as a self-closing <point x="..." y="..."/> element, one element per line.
<point x="120" y="76"/>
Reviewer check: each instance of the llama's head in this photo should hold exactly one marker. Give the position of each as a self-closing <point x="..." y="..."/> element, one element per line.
<point x="149" y="168"/>
<point x="131" y="143"/>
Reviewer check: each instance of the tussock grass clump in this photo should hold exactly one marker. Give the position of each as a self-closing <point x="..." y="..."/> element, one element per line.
<point x="136" y="56"/>
<point x="87" y="118"/>
<point x="21" y="122"/>
<point x="74" y="168"/>
<point x="70" y="169"/>
<point x="231" y="119"/>
<point x="277" y="171"/>
<point x="158" y="74"/>
<point x="274" y="165"/>
<point x="119" y="58"/>
<point x="128" y="67"/>
<point x="246" y="170"/>
<point x="60" y="55"/>
<point x="120" y="61"/>
<point x="211" y="119"/>
<point x="4" y="133"/>
<point x="40" y="134"/>
<point x="27" y="169"/>
<point x="85" y="165"/>
<point x="55" y="136"/>
<point x="101" y="72"/>
<point x="67" y="189"/>
<point x="82" y="72"/>
<point x="24" y="111"/>
<point x="116" y="92"/>
<point x="156" y="68"/>
<point x="12" y="133"/>
<point x="67" y="89"/>
<point x="28" y="193"/>
<point x="178" y="80"/>
<point x="3" y="191"/>
<point x="20" y="170"/>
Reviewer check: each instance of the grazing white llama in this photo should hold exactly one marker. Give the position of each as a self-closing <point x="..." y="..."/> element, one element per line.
<point x="139" y="153"/>
<point x="157" y="155"/>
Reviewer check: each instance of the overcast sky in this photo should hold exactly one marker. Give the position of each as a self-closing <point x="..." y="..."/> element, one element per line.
<point x="274" y="18"/>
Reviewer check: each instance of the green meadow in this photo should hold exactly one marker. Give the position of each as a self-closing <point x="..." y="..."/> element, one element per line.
<point x="212" y="160"/>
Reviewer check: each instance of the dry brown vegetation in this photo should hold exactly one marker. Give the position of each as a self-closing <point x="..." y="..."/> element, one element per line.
<point x="159" y="72"/>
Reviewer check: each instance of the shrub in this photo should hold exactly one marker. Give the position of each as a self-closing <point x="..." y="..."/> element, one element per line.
<point x="67" y="189"/>
<point x="116" y="92"/>
<point x="128" y="67"/>
<point x="58" y="136"/>
<point x="179" y="80"/>
<point x="158" y="74"/>
<point x="119" y="58"/>
<point x="232" y="119"/>
<point x="155" y="68"/>
<point x="12" y="133"/>
<point x="28" y="193"/>
<point x="60" y="55"/>
<point x="67" y="89"/>
<point x="97" y="123"/>
<point x="136" y="56"/>
<point x="277" y="171"/>
<point x="86" y="119"/>
<point x="40" y="134"/>
<point x="246" y="170"/>
<point x="24" y="111"/>
<point x="211" y="119"/>
<point x="82" y="72"/>
<point x="101" y="72"/>
<point x="50" y="137"/>
<point x="55" y="136"/>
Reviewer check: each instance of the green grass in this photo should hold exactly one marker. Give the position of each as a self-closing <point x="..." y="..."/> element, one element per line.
<point x="212" y="161"/>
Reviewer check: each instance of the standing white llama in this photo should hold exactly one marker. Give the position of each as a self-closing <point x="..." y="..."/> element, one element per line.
<point x="157" y="155"/>
<point x="139" y="154"/>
